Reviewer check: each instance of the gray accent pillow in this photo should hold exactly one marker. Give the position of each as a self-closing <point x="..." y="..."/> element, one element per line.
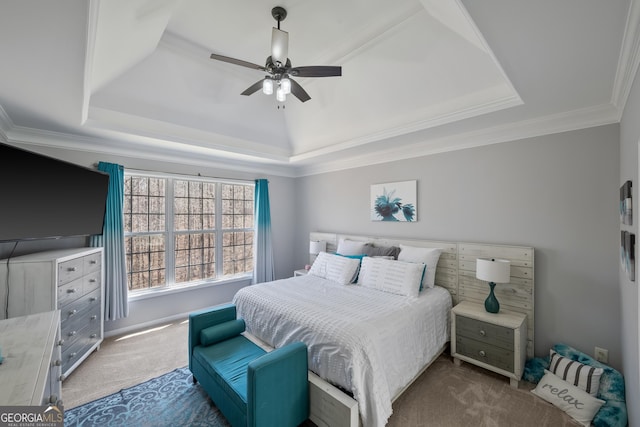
<point x="372" y="250"/>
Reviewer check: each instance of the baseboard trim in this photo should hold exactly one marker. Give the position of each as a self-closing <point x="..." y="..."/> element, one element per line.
<point x="150" y="324"/>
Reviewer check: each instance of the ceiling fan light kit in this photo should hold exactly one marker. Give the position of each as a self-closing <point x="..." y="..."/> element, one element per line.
<point x="278" y="65"/>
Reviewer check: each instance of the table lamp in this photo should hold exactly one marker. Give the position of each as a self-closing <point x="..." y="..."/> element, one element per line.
<point x="315" y="247"/>
<point x="493" y="271"/>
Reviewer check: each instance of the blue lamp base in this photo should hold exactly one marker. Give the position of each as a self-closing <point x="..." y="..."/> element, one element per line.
<point x="491" y="304"/>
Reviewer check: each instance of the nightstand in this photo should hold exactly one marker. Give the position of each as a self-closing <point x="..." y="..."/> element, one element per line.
<point x="300" y="272"/>
<point x="497" y="342"/>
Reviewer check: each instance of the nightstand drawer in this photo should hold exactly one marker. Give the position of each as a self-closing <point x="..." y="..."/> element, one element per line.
<point x="483" y="352"/>
<point x="484" y="332"/>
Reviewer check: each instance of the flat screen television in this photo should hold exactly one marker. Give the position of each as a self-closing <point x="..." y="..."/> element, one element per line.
<point x="42" y="197"/>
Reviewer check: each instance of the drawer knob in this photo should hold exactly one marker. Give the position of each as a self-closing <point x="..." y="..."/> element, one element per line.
<point x="57" y="363"/>
<point x="482" y="332"/>
<point x="72" y="355"/>
<point x="72" y="333"/>
<point x="482" y="353"/>
<point x="94" y="317"/>
<point x="60" y="343"/>
<point x="72" y="269"/>
<point x="93" y="299"/>
<point x="93" y="261"/>
<point x="72" y="312"/>
<point x="93" y="335"/>
<point x="92" y="280"/>
<point x="72" y="291"/>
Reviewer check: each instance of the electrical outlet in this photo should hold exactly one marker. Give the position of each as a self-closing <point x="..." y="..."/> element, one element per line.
<point x="602" y="355"/>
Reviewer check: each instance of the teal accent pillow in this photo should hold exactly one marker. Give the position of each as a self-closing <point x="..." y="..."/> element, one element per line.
<point x="221" y="332"/>
<point x="353" y="256"/>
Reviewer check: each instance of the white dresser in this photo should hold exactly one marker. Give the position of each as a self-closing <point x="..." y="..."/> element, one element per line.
<point x="30" y="371"/>
<point x="69" y="280"/>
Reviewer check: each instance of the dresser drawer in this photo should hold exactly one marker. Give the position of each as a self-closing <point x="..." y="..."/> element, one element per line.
<point x="91" y="281"/>
<point x="484" y="332"/>
<point x="85" y="339"/>
<point x="92" y="262"/>
<point x="70" y="292"/>
<point x="69" y="270"/>
<point x="495" y="356"/>
<point x="79" y="308"/>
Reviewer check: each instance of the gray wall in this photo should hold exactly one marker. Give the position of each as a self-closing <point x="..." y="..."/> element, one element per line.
<point x="630" y="305"/>
<point x="171" y="305"/>
<point x="558" y="193"/>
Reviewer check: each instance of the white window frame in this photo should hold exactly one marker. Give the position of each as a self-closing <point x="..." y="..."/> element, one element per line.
<point x="170" y="233"/>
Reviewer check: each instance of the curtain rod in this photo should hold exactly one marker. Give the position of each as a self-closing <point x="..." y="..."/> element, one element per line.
<point x="199" y="175"/>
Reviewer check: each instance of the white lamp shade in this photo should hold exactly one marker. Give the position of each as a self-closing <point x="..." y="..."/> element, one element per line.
<point x="285" y="84"/>
<point x="493" y="270"/>
<point x="267" y="86"/>
<point x="317" y="246"/>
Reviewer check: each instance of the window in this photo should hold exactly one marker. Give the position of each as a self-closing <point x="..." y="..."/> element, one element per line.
<point x="181" y="230"/>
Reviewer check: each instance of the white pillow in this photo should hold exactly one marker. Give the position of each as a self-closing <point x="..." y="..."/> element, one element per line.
<point x="428" y="256"/>
<point x="350" y="247"/>
<point x="578" y="404"/>
<point x="335" y="268"/>
<point x="584" y="377"/>
<point x="396" y="277"/>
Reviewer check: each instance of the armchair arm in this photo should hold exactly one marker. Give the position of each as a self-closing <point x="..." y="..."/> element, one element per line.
<point x="200" y="320"/>
<point x="278" y="387"/>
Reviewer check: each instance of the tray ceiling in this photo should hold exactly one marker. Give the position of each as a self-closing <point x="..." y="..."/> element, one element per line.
<point x="417" y="77"/>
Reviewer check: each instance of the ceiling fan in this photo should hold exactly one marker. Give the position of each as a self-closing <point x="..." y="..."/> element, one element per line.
<point x="279" y="66"/>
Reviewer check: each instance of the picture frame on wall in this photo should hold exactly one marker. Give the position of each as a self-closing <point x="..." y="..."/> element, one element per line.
<point x="627" y="254"/>
<point x="626" y="204"/>
<point x="394" y="201"/>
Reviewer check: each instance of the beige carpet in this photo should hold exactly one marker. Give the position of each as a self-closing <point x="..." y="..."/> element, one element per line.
<point x="127" y="360"/>
<point x="445" y="395"/>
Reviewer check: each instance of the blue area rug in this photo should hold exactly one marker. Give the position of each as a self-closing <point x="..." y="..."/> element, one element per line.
<point x="169" y="400"/>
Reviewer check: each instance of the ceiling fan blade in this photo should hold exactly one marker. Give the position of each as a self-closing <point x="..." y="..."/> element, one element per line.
<point x="279" y="46"/>
<point x="316" y="71"/>
<point x="253" y="88"/>
<point x="237" y="62"/>
<point x="298" y="91"/>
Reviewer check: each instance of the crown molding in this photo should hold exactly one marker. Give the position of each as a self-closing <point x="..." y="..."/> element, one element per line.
<point x="93" y="10"/>
<point x="552" y="124"/>
<point x="136" y="128"/>
<point x="415" y="126"/>
<point x="147" y="150"/>
<point x="628" y="60"/>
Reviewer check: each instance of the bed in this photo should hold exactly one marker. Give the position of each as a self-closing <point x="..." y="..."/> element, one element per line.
<point x="370" y="343"/>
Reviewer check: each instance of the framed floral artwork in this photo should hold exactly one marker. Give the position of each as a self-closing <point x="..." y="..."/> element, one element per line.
<point x="394" y="201"/>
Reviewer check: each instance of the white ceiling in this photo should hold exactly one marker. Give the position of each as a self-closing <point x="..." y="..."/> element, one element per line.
<point x="133" y="77"/>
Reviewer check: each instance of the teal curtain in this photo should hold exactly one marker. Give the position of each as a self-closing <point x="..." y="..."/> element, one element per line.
<point x="263" y="253"/>
<point x="116" y="304"/>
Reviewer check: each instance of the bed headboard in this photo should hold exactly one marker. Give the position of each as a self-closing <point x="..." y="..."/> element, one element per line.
<point x="456" y="271"/>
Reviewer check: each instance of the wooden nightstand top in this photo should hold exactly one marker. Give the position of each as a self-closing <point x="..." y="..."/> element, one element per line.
<point x="477" y="311"/>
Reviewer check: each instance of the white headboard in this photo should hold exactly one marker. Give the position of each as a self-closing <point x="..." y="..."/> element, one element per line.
<point x="456" y="271"/>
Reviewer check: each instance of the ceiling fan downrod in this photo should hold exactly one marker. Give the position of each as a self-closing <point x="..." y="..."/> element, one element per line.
<point x="279" y="13"/>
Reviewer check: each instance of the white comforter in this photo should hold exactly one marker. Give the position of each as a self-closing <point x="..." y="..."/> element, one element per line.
<point x="370" y="342"/>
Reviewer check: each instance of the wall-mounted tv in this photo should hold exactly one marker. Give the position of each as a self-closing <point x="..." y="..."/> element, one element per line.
<point x="42" y="197"/>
